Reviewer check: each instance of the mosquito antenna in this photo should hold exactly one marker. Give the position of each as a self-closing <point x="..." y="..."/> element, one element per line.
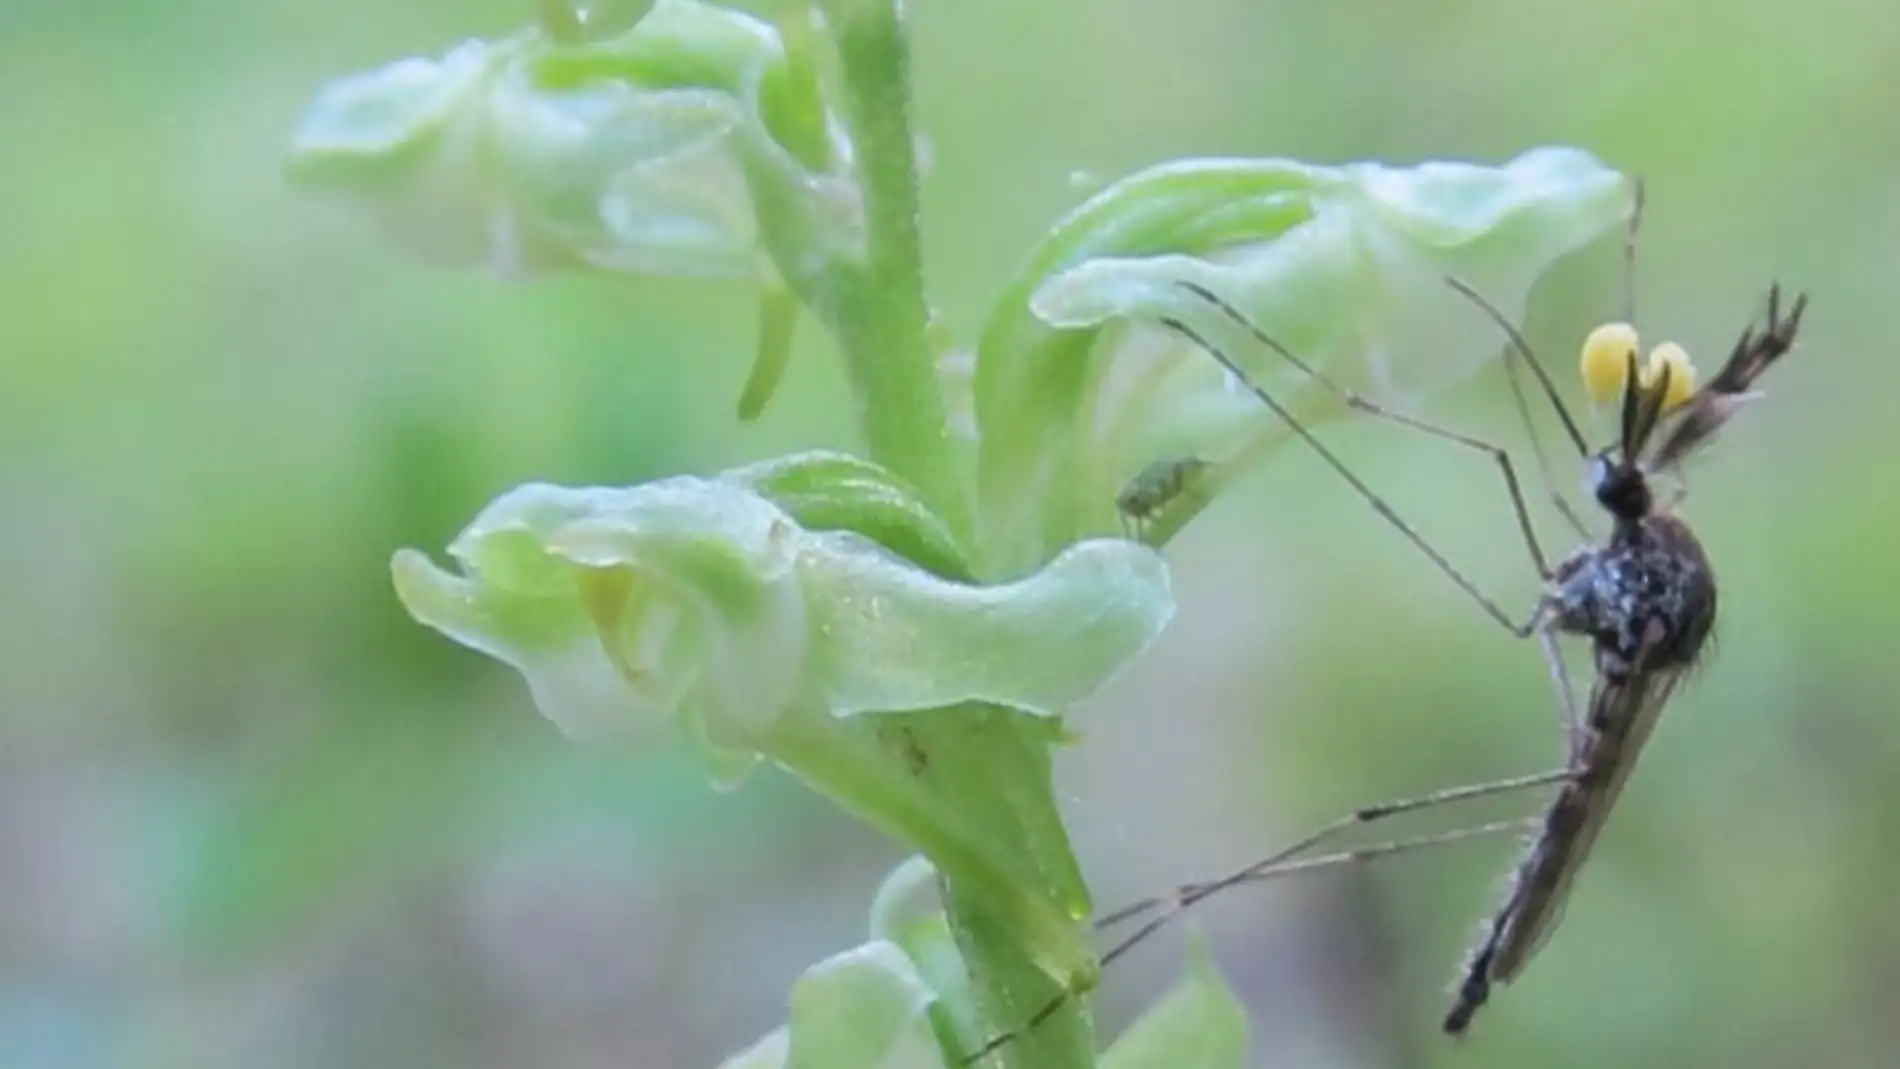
<point x="1366" y="492"/>
<point x="1629" y="250"/>
<point x="1538" y="452"/>
<point x="1516" y="338"/>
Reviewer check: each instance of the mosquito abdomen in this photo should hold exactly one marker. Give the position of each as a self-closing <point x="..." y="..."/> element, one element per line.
<point x="1534" y="901"/>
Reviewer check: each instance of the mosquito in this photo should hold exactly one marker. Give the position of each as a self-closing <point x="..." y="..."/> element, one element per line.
<point x="1644" y="596"/>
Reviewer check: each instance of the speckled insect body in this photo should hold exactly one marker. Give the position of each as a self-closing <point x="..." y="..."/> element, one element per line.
<point x="1651" y="574"/>
<point x="1646" y="598"/>
<point x="1156" y="487"/>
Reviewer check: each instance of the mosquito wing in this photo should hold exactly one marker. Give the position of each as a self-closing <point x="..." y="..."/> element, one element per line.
<point x="1623" y="714"/>
<point x="1639" y="702"/>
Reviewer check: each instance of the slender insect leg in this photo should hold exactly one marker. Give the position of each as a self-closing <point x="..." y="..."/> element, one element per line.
<point x="1629" y="249"/>
<point x="1281" y="862"/>
<point x="1574" y="733"/>
<point x="1365" y="492"/>
<point x="1353" y="856"/>
<point x="1392" y="415"/>
<point x="1367" y="815"/>
<point x="1517" y="342"/>
<point x="1520" y="346"/>
<point x="1544" y="468"/>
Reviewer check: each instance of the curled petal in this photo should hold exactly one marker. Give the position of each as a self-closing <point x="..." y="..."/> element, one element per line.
<point x="904" y="639"/>
<point x="704" y="605"/>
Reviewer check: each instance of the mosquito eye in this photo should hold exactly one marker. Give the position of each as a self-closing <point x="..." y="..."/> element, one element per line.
<point x="1605" y="362"/>
<point x="1681" y="372"/>
<point x="1596" y="474"/>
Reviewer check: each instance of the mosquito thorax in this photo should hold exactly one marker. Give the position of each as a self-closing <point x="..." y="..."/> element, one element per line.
<point x="1649" y="584"/>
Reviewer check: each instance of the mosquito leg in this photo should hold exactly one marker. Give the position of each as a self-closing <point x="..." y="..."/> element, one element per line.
<point x="1629" y="248"/>
<point x="1368" y="815"/>
<point x="1356" y="855"/>
<point x="1516" y="339"/>
<point x="1377" y="411"/>
<point x="1522" y="348"/>
<point x="1281" y="862"/>
<point x="1537" y="450"/>
<point x="1574" y="732"/>
<point x="1366" y="492"/>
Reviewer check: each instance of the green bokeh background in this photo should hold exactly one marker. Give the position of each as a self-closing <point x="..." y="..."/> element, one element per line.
<point x="250" y="815"/>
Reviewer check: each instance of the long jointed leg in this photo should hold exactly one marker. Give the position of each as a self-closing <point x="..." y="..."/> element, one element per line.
<point x="1575" y="736"/>
<point x="1288" y="861"/>
<point x="1520" y="346"/>
<point x="1366" y="492"/>
<point x="1368" y="815"/>
<point x="1353" y="856"/>
<point x="1523" y="348"/>
<point x="1523" y="405"/>
<point x="1359" y="404"/>
<point x="1629" y="250"/>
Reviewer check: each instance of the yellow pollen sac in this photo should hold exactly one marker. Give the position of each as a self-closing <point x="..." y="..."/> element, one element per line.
<point x="1605" y="363"/>
<point x="1681" y="372"/>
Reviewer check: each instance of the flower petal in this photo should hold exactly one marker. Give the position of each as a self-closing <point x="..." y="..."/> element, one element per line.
<point x="1079" y="390"/>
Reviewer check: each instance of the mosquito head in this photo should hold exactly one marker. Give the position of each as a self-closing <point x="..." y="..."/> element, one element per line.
<point x="1622" y="489"/>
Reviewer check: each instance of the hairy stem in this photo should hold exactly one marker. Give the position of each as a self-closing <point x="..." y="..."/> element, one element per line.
<point x="881" y="314"/>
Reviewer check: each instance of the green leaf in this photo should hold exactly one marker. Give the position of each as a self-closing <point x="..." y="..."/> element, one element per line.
<point x="1199" y="1024"/>
<point x="866" y="1008"/>
<point x="1078" y="391"/>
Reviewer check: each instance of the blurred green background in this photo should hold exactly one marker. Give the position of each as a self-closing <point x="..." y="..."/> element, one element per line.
<point x="249" y="815"/>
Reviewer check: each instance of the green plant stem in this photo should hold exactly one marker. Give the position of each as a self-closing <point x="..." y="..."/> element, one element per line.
<point x="880" y="316"/>
<point x="1020" y="949"/>
<point x="880" y="311"/>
